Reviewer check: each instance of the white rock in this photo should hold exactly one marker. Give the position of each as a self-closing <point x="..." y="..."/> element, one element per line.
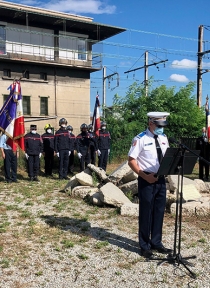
<point x="130" y="209"/>
<point x="112" y="195"/>
<point x="84" y="179"/>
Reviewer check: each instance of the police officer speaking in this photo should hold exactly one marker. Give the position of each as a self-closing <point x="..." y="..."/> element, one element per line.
<point x="144" y="159"/>
<point x="33" y="152"/>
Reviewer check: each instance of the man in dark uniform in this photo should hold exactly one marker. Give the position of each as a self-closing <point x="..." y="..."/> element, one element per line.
<point x="93" y="145"/>
<point x="10" y="159"/>
<point x="72" y="148"/>
<point x="62" y="148"/>
<point x="144" y="159"/>
<point x="33" y="152"/>
<point x="103" y="144"/>
<point x="83" y="141"/>
<point x="48" y="149"/>
<point x="204" y="147"/>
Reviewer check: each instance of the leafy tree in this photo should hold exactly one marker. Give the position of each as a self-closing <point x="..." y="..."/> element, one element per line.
<point x="128" y="115"/>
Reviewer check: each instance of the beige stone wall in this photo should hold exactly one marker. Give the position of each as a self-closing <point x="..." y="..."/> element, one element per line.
<point x="68" y="96"/>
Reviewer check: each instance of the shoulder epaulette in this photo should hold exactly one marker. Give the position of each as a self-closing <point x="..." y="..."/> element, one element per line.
<point x="140" y="135"/>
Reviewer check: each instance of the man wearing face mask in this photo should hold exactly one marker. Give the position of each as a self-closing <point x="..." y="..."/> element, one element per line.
<point x="83" y="142"/>
<point x="48" y="149"/>
<point x="103" y="143"/>
<point x="144" y="159"/>
<point x="73" y="147"/>
<point x="33" y="152"/>
<point x="93" y="145"/>
<point x="63" y="148"/>
<point x="204" y="147"/>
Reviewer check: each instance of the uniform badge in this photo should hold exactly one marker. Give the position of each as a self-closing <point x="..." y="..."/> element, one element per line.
<point x="134" y="142"/>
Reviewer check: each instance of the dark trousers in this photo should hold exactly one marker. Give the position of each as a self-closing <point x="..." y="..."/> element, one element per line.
<point x="33" y="166"/>
<point x="92" y="155"/>
<point x="84" y="161"/>
<point x="71" y="162"/>
<point x="152" y="201"/>
<point x="10" y="165"/>
<point x="63" y="163"/>
<point x="49" y="162"/>
<point x="103" y="159"/>
<point x="203" y="168"/>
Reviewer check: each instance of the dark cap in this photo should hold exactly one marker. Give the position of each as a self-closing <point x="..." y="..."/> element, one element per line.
<point x="33" y="127"/>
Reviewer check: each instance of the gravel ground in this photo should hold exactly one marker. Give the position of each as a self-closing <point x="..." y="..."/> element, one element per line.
<point x="48" y="239"/>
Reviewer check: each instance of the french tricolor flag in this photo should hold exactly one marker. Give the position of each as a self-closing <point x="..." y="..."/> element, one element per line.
<point x="11" y="117"/>
<point x="96" y="116"/>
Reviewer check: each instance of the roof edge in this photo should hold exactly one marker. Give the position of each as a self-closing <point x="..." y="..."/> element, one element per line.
<point x="32" y="9"/>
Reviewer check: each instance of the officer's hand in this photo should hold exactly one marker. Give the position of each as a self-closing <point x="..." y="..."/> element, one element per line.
<point x="69" y="153"/>
<point x="99" y="152"/>
<point x="79" y="155"/>
<point x="151" y="178"/>
<point x="3" y="154"/>
<point x="26" y="156"/>
<point x="40" y="155"/>
<point x="57" y="154"/>
<point x="108" y="151"/>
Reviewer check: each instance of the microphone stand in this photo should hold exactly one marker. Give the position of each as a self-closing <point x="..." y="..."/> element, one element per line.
<point x="176" y="256"/>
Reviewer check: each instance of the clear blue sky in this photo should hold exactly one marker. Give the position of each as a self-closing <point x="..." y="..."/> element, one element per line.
<point x="167" y="29"/>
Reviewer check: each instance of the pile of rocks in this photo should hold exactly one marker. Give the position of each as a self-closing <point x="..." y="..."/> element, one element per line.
<point x="119" y="189"/>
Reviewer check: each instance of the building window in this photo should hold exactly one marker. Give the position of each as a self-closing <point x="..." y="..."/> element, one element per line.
<point x="2" y="39"/>
<point x="43" y="76"/>
<point x="7" y="73"/>
<point x="5" y="96"/>
<point x="25" y="74"/>
<point x="81" y="49"/>
<point x="26" y="105"/>
<point x="43" y="105"/>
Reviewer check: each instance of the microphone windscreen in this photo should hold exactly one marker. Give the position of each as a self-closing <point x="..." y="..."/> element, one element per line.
<point x="172" y="140"/>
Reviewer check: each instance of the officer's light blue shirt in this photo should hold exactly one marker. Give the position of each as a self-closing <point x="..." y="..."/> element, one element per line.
<point x="3" y="144"/>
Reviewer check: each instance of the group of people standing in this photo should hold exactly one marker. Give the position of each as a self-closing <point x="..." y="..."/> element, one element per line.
<point x="62" y="144"/>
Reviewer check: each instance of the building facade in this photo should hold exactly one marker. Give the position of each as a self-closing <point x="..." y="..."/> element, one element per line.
<point x="53" y="54"/>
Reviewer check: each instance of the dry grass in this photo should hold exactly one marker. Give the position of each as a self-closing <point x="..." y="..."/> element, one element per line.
<point x="37" y="217"/>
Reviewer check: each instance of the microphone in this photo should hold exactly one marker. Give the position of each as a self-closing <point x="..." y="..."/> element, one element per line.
<point x="173" y="140"/>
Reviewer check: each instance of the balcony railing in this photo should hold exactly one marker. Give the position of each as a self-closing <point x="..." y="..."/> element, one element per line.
<point x="37" y="53"/>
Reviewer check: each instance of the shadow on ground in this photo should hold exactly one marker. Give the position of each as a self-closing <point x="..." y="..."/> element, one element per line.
<point x="82" y="227"/>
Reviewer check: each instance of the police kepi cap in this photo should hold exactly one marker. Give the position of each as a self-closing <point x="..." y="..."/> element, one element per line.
<point x="33" y="127"/>
<point x="158" y="118"/>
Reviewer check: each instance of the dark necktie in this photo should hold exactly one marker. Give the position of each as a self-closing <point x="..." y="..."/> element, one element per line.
<point x="159" y="151"/>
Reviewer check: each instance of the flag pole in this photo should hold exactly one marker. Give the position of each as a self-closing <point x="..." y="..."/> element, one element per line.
<point x="207" y="117"/>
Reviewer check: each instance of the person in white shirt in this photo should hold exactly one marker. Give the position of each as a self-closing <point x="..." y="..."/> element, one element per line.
<point x="144" y="158"/>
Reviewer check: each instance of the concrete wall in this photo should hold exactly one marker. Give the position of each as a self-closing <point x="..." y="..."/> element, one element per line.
<point x="67" y="89"/>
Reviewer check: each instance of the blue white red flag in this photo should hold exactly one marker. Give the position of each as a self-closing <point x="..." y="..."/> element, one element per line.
<point x="96" y="116"/>
<point x="207" y="106"/>
<point x="11" y="117"/>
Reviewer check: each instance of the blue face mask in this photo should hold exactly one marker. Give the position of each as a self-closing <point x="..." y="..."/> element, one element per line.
<point x="158" y="131"/>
